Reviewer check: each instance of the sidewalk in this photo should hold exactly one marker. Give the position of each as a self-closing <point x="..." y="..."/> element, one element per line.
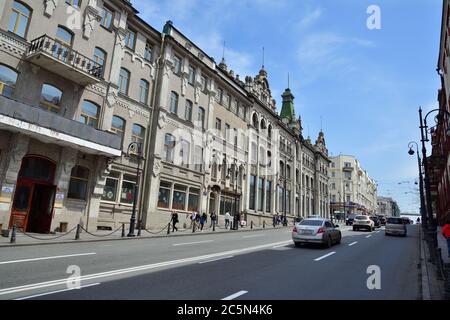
<point x="442" y="243"/>
<point x="61" y="238"/>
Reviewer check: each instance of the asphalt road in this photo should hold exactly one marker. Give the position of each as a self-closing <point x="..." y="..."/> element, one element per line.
<point x="260" y="265"/>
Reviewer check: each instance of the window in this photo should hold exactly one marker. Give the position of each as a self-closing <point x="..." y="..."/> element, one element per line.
<point x="198" y="158"/>
<point x="50" y="98"/>
<point x="252" y="192"/>
<point x="138" y="134"/>
<point x="143" y="91"/>
<point x="100" y="57"/>
<point x="127" y="192"/>
<point x="288" y="171"/>
<point x="227" y="132"/>
<point x="219" y="95"/>
<point x="261" y="194"/>
<point x="110" y="190"/>
<point x="194" y="195"/>
<point x="78" y="185"/>
<point x="177" y="65"/>
<point x="235" y="137"/>
<point x="188" y="111"/>
<point x="8" y="79"/>
<point x="262" y="156"/>
<point x="268" y="196"/>
<point x="124" y="81"/>
<point x="218" y="126"/>
<point x="130" y="39"/>
<point x="179" y="197"/>
<point x="204" y="84"/>
<point x="226" y="100"/>
<point x="118" y="127"/>
<point x="64" y="39"/>
<point x="89" y="114"/>
<point x="347" y="165"/>
<point x="75" y="3"/>
<point x="19" y="19"/>
<point x="174" y="102"/>
<point x="201" y="117"/>
<point x="254" y="153"/>
<point x="255" y="121"/>
<point x="106" y="18"/>
<point x="185" y="148"/>
<point x="191" y="76"/>
<point x="148" y="53"/>
<point x="164" y="195"/>
<point x="234" y="107"/>
<point x="169" y="145"/>
<point x="269" y="131"/>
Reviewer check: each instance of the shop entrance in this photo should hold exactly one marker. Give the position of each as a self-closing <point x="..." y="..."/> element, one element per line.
<point x="34" y="198"/>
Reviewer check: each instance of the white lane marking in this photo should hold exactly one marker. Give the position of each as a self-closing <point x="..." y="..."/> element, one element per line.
<point x="254" y="236"/>
<point x="369" y="236"/>
<point x="325" y="256"/>
<point x="54" y="292"/>
<point x="281" y="246"/>
<point x="214" y="260"/>
<point x="190" y="243"/>
<point x="48" y="258"/>
<point x="117" y="272"/>
<point x="353" y="243"/>
<point x="234" y="296"/>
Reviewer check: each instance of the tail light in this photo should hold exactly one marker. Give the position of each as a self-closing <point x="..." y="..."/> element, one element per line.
<point x="295" y="230"/>
<point x="321" y="230"/>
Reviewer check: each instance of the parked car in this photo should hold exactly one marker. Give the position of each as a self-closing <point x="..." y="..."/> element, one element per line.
<point x="376" y="221"/>
<point x="363" y="222"/>
<point x="317" y="230"/>
<point x="349" y="220"/>
<point x="395" y="226"/>
<point x="406" y="220"/>
<point x="382" y="219"/>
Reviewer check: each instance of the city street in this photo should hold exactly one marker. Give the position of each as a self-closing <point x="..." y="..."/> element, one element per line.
<point x="260" y="265"/>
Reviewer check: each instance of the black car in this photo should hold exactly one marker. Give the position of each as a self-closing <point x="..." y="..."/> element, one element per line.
<point x="376" y="221"/>
<point x="382" y="220"/>
<point x="349" y="220"/>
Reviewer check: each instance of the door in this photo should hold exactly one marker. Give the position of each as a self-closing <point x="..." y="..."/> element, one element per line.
<point x="41" y="209"/>
<point x="21" y="204"/>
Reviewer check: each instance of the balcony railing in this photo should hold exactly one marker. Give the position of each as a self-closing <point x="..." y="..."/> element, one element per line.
<point x="58" y="52"/>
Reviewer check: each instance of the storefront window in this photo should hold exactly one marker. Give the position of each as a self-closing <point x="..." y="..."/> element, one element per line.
<point x="261" y="194"/>
<point x="194" y="195"/>
<point x="127" y="193"/>
<point x="179" y="197"/>
<point x="164" y="195"/>
<point x="268" y="196"/>
<point x="78" y="183"/>
<point x="110" y="190"/>
<point x="252" y="192"/>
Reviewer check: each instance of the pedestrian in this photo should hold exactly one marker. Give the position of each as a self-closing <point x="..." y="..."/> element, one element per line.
<point x="193" y="218"/>
<point x="197" y="219"/>
<point x="446" y="234"/>
<point x="227" y="219"/>
<point x="274" y="221"/>
<point x="203" y="220"/>
<point x="418" y="220"/>
<point x="213" y="219"/>
<point x="174" y="221"/>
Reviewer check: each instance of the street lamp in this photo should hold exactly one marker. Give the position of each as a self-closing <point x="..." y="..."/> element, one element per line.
<point x="422" y="196"/>
<point x="135" y="148"/>
<point x="235" y="176"/>
<point x="432" y="227"/>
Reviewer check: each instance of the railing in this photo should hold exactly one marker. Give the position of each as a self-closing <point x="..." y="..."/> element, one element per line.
<point x="65" y="55"/>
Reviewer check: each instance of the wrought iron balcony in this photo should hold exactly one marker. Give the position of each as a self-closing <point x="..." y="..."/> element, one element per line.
<point x="58" y="58"/>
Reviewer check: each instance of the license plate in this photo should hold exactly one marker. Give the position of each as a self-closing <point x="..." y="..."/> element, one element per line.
<point x="307" y="232"/>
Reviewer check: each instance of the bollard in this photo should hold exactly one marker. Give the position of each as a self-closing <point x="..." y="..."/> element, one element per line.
<point x="168" y="228"/>
<point x="214" y="226"/>
<point x="139" y="229"/>
<point x="77" y="234"/>
<point x="251" y="225"/>
<point x="264" y="224"/>
<point x="123" y="230"/>
<point x="13" y="234"/>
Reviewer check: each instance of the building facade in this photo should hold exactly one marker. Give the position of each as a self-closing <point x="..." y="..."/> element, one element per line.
<point x="352" y="190"/>
<point x="388" y="207"/>
<point x="94" y="101"/>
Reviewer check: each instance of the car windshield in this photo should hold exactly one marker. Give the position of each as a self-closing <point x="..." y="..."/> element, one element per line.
<point x="394" y="221"/>
<point x="361" y="218"/>
<point x="315" y="223"/>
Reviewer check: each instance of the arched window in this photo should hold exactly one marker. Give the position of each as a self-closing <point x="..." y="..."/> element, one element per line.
<point x="100" y="59"/>
<point x="63" y="40"/>
<point x="169" y="146"/>
<point x="89" y="114"/>
<point x="51" y="98"/>
<point x="118" y="127"/>
<point x="224" y="169"/>
<point x="8" y="79"/>
<point x="78" y="183"/>
<point x="144" y="88"/>
<point x="174" y="102"/>
<point x="188" y="111"/>
<point x="263" y="124"/>
<point x="201" y="117"/>
<point x="269" y="131"/>
<point x="282" y="169"/>
<point x="255" y="121"/>
<point x="124" y="81"/>
<point x="19" y="19"/>
<point x="138" y="134"/>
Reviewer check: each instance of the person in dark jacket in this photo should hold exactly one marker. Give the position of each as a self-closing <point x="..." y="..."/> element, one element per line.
<point x="174" y="221"/>
<point x="213" y="219"/>
<point x="203" y="220"/>
<point x="446" y="234"/>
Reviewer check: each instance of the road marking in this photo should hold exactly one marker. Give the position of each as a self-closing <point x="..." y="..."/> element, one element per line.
<point x="48" y="258"/>
<point x="325" y="256"/>
<point x="234" y="296"/>
<point x="189" y="243"/>
<point x="214" y="260"/>
<point x="353" y="243"/>
<point x="54" y="292"/>
<point x="369" y="236"/>
<point x="117" y="272"/>
<point x="254" y="236"/>
<point x="280" y="246"/>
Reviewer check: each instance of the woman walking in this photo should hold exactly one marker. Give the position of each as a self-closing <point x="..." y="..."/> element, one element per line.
<point x="446" y="234"/>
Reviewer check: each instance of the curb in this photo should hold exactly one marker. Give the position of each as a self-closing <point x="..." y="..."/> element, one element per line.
<point x="8" y="245"/>
<point x="426" y="293"/>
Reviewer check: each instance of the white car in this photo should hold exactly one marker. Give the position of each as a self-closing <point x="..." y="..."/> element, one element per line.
<point x="316" y="230"/>
<point x="363" y="222"/>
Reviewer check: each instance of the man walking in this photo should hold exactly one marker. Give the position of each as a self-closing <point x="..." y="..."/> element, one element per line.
<point x="174" y="221"/>
<point x="227" y="219"/>
<point x="213" y="219"/>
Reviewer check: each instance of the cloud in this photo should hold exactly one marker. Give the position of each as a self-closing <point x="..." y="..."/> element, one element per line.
<point x="310" y="18"/>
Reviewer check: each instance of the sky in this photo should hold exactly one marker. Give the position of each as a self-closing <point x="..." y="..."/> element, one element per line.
<point x="362" y="86"/>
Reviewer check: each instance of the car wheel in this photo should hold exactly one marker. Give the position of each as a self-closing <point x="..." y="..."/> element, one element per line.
<point x="338" y="241"/>
<point x="329" y="243"/>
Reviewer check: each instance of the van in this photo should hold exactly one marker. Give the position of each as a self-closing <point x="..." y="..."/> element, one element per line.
<point x="395" y="226"/>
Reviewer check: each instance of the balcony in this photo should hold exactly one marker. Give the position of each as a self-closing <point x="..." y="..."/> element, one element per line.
<point x="347" y="168"/>
<point x="64" y="61"/>
<point x="49" y="127"/>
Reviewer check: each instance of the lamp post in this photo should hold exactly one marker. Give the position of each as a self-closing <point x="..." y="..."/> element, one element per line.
<point x="432" y="226"/>
<point x="235" y="176"/>
<point x="285" y="192"/>
<point x="135" y="147"/>
<point x="422" y="196"/>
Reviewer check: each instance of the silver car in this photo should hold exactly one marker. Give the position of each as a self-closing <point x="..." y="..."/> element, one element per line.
<point x="316" y="230"/>
<point x="395" y="226"/>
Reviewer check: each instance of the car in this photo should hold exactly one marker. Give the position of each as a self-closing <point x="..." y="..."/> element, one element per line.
<point x="406" y="220"/>
<point x="382" y="219"/>
<point x="363" y="222"/>
<point x="395" y="226"/>
<point x="349" y="220"/>
<point x="376" y="221"/>
<point x="316" y="230"/>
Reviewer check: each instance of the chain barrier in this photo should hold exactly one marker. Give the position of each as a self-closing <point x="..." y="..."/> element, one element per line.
<point x="163" y="229"/>
<point x="44" y="239"/>
<point x="101" y="236"/>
